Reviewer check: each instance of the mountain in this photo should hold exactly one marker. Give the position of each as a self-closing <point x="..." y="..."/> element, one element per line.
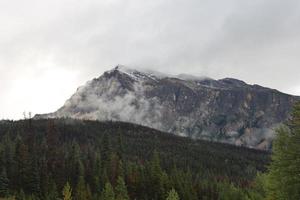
<point x="225" y="110"/>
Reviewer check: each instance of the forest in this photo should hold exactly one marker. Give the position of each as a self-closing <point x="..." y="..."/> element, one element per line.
<point x="68" y="159"/>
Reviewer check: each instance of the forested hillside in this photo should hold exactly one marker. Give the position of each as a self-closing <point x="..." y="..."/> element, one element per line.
<point x="61" y="158"/>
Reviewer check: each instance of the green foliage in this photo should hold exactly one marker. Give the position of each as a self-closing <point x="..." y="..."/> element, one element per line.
<point x="4" y="182"/>
<point x="155" y="177"/>
<point x="258" y="191"/>
<point x="283" y="178"/>
<point x="52" y="193"/>
<point x="33" y="179"/>
<point x="81" y="191"/>
<point x="183" y="184"/>
<point x="117" y="160"/>
<point x="108" y="192"/>
<point x="121" y="190"/>
<point x="21" y="195"/>
<point x="172" y="195"/>
<point x="228" y="191"/>
<point x="67" y="192"/>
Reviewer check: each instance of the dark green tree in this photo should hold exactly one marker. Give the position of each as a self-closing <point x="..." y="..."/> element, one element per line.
<point x="108" y="192"/>
<point x="22" y="164"/>
<point x="4" y="183"/>
<point x="156" y="178"/>
<point x="52" y="193"/>
<point x="21" y="195"/>
<point x="67" y="192"/>
<point x="81" y="192"/>
<point x="97" y="174"/>
<point x="172" y="195"/>
<point x="283" y="178"/>
<point x="121" y="189"/>
<point x="33" y="178"/>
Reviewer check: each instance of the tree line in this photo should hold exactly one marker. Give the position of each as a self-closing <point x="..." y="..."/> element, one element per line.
<point x="89" y="160"/>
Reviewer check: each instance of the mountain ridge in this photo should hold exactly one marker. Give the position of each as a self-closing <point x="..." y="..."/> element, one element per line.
<point x="225" y="110"/>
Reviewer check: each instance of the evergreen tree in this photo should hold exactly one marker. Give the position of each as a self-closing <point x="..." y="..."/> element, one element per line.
<point x="74" y="163"/>
<point x="52" y="193"/>
<point x="113" y="168"/>
<point x="21" y="195"/>
<point x="120" y="150"/>
<point x="183" y="184"/>
<point x="121" y="190"/>
<point x="156" y="185"/>
<point x="106" y="149"/>
<point x="33" y="179"/>
<point x="81" y="193"/>
<point x="9" y="158"/>
<point x="258" y="191"/>
<point x="22" y="164"/>
<point x="108" y="192"/>
<point x="46" y="183"/>
<point x="283" y="178"/>
<point x="89" y="195"/>
<point x="172" y="195"/>
<point x="97" y="174"/>
<point x="67" y="192"/>
<point x="228" y="191"/>
<point x="4" y="182"/>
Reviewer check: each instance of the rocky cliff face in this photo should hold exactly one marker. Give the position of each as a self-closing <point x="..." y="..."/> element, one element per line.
<point x="226" y="110"/>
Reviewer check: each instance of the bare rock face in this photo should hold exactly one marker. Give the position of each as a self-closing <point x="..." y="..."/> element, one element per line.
<point x="226" y="110"/>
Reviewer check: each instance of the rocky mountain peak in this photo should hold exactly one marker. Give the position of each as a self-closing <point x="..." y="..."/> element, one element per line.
<point x="225" y="110"/>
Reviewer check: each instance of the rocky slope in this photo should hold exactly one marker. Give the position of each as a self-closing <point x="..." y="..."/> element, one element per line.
<point x="226" y="110"/>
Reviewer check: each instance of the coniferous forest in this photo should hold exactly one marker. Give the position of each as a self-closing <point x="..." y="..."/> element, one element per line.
<point x="90" y="160"/>
<point x="72" y="159"/>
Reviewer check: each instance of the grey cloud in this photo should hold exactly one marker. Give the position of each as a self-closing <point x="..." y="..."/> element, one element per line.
<point x="257" y="41"/>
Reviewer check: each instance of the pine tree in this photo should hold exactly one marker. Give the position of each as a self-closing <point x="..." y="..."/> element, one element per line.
<point x="89" y="195"/>
<point x="46" y="184"/>
<point x="33" y="179"/>
<point x="4" y="182"/>
<point x="81" y="193"/>
<point x="283" y="178"/>
<point x="258" y="191"/>
<point x="106" y="149"/>
<point x="74" y="163"/>
<point x="182" y="183"/>
<point x="21" y="195"/>
<point x="52" y="193"/>
<point x="67" y="192"/>
<point x="97" y="174"/>
<point x="22" y="164"/>
<point x="8" y="158"/>
<point x="172" y="195"/>
<point x="108" y="192"/>
<point x="120" y="149"/>
<point x="121" y="190"/>
<point x="113" y="168"/>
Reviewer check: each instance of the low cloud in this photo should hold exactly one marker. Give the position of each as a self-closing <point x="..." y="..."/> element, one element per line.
<point x="113" y="103"/>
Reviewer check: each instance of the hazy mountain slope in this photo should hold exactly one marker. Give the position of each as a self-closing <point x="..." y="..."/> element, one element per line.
<point x="226" y="110"/>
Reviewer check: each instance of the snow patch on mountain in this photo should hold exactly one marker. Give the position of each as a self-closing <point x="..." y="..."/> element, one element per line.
<point x="155" y="75"/>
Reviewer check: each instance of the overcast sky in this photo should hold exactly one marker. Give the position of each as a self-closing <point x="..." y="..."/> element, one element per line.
<point x="50" y="47"/>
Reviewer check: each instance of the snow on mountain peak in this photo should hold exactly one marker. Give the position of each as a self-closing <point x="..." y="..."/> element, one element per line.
<point x="138" y="74"/>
